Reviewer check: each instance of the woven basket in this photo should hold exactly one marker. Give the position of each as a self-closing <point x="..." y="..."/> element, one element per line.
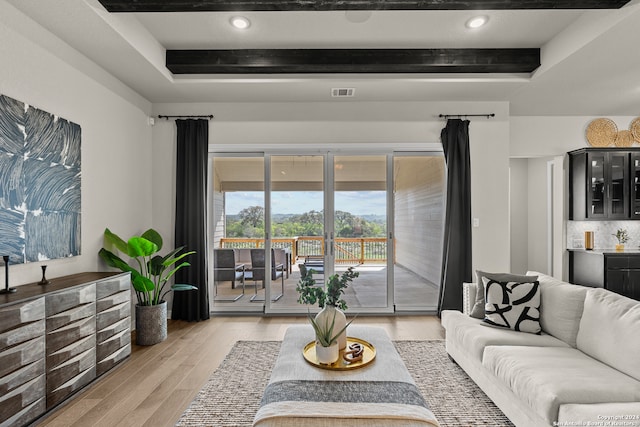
<point x="624" y="138"/>
<point x="635" y="129"/>
<point x="602" y="132"/>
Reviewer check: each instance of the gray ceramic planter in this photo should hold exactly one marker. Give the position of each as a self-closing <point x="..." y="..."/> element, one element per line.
<point x="151" y="323"/>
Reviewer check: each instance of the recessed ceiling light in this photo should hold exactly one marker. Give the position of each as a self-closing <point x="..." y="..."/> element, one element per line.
<point x="477" y="21"/>
<point x="240" y="22"/>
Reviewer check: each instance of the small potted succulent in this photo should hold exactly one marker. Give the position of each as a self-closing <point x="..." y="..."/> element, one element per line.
<point x="623" y="237"/>
<point x="327" y="348"/>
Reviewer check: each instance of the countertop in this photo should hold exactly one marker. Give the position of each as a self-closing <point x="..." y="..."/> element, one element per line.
<point x="608" y="251"/>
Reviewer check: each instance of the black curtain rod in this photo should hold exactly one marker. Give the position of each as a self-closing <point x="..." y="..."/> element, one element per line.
<point x="446" y="116"/>
<point x="160" y="116"/>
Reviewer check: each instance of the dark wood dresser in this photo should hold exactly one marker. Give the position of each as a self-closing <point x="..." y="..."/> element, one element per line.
<point x="57" y="338"/>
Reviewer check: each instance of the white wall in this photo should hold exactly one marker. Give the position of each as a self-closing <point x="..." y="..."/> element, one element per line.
<point x="519" y="220"/>
<point x="116" y="141"/>
<point x="365" y="126"/>
<point x="551" y="136"/>
<point x="533" y="138"/>
<point x="538" y="222"/>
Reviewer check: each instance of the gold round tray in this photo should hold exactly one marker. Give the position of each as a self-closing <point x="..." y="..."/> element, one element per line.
<point x="309" y="353"/>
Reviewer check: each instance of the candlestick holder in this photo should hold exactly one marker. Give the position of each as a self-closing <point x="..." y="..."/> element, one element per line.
<point x="7" y="289"/>
<point x="44" y="280"/>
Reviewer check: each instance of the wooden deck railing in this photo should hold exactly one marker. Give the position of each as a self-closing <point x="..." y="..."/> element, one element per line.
<point x="347" y="250"/>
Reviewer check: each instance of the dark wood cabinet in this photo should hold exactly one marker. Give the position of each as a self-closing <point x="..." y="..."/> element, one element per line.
<point x="635" y="185"/>
<point x="600" y="184"/>
<point x="22" y="362"/>
<point x="616" y="271"/>
<point x="113" y="322"/>
<point x="71" y="341"/>
<point x="56" y="339"/>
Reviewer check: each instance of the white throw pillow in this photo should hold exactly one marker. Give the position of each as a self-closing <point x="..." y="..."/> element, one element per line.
<point x="512" y="305"/>
<point x="561" y="306"/>
<point x="610" y="330"/>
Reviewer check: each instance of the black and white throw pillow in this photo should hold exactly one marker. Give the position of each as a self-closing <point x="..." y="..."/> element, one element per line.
<point x="512" y="305"/>
<point x="478" y="308"/>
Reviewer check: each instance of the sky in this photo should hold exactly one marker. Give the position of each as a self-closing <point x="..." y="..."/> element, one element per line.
<point x="298" y="202"/>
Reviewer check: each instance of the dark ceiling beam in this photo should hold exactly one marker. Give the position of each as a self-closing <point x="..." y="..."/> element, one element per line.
<point x="328" y="5"/>
<point x="297" y="61"/>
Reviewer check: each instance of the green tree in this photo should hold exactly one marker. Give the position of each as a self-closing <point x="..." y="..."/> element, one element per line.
<point x="253" y="216"/>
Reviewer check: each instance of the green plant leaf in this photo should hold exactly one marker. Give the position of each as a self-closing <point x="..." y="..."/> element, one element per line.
<point x="170" y="258"/>
<point x="183" y="287"/>
<point x="172" y="272"/>
<point x="155" y="265"/>
<point x="141" y="247"/>
<point x="153" y="236"/>
<point x="114" y="240"/>
<point x="142" y="284"/>
<point x="114" y="260"/>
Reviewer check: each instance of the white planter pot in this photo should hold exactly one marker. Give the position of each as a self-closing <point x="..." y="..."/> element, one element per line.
<point x="327" y="355"/>
<point x="325" y="317"/>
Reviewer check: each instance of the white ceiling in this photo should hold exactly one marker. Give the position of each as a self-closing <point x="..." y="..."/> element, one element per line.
<point x="590" y="59"/>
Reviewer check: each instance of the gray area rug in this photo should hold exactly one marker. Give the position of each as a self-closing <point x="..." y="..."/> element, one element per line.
<point x="232" y="395"/>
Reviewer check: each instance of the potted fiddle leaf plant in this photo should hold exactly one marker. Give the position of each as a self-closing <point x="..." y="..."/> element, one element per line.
<point x="329" y="300"/>
<point x="150" y="274"/>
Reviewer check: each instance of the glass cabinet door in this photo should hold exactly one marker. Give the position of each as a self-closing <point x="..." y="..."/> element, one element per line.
<point x="618" y="185"/>
<point x="635" y="185"/>
<point x="597" y="188"/>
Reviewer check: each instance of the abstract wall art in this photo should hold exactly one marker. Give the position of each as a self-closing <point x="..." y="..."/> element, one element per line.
<point x="39" y="184"/>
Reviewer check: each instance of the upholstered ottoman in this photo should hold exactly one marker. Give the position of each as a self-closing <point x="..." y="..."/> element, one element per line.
<point x="381" y="393"/>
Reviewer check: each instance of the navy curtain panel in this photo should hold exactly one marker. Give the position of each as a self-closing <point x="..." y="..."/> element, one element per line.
<point x="191" y="218"/>
<point x="456" y="256"/>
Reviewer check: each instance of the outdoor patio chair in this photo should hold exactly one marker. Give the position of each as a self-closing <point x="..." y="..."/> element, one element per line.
<point x="226" y="269"/>
<point x="258" y="270"/>
<point x="281" y="256"/>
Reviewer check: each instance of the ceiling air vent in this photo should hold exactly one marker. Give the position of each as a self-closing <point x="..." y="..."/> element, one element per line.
<point x="341" y="92"/>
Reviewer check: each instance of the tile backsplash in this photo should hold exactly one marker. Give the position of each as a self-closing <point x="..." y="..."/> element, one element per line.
<point x="603" y="233"/>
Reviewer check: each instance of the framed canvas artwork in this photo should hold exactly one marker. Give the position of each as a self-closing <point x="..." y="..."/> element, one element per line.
<point x="40" y="177"/>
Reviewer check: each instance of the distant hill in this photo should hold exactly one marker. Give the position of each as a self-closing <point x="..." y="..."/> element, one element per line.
<point x="283" y="217"/>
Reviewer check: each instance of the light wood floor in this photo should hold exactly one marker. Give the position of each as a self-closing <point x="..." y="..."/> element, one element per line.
<point x="157" y="383"/>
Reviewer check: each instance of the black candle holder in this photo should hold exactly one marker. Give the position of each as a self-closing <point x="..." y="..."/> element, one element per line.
<point x="7" y="289"/>
<point x="44" y="280"/>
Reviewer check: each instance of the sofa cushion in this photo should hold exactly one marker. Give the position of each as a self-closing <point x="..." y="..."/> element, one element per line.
<point x="561" y="306"/>
<point x="547" y="377"/>
<point x="512" y="305"/>
<point x="478" y="307"/>
<point x="627" y="413"/>
<point x="474" y="335"/>
<point x="610" y="330"/>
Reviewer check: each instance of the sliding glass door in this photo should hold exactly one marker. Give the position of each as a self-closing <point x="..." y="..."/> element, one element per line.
<point x="297" y="224"/>
<point x="236" y="227"/>
<point x="285" y="215"/>
<point x="419" y="204"/>
<point x="358" y="235"/>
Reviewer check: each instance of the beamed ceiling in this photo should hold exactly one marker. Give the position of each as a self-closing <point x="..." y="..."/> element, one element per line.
<point x="355" y="61"/>
<point x="298" y="61"/>
<point x="563" y="57"/>
<point x="330" y="5"/>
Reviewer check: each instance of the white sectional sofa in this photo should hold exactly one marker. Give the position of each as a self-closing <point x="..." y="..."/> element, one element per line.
<point x="582" y="370"/>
